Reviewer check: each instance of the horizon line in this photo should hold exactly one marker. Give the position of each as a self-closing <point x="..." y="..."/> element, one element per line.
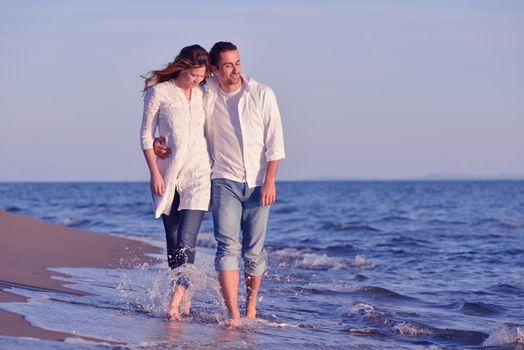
<point x="319" y="179"/>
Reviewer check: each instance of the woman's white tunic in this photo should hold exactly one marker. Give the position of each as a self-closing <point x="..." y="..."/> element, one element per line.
<point x="181" y="122"/>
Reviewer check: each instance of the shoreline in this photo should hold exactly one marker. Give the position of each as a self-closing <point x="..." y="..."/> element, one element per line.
<point x="31" y="246"/>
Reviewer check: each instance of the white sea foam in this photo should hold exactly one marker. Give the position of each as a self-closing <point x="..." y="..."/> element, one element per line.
<point x="361" y="261"/>
<point x="80" y="342"/>
<point x="362" y="307"/>
<point x="339" y="287"/>
<point x="413" y="329"/>
<point x="69" y="221"/>
<point x="320" y="262"/>
<point x="18" y="343"/>
<point x="307" y="259"/>
<point x="292" y="252"/>
<point x="506" y="334"/>
<point x="247" y="324"/>
<point x="357" y="308"/>
<point x="509" y="223"/>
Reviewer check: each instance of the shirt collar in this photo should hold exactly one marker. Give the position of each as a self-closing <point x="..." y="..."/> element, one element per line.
<point x="213" y="84"/>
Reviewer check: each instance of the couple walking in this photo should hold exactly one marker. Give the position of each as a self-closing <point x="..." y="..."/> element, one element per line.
<point x="218" y="148"/>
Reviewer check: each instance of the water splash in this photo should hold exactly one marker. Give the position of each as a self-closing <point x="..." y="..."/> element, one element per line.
<point x="149" y="288"/>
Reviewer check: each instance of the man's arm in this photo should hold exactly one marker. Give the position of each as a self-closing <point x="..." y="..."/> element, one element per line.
<point x="274" y="142"/>
<point x="268" y="192"/>
<point x="273" y="135"/>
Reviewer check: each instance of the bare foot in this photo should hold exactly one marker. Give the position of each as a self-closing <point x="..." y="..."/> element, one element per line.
<point x="173" y="316"/>
<point x="176" y="298"/>
<point x="233" y="322"/>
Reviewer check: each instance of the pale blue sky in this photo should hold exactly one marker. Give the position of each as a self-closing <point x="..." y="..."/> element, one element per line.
<point x="367" y="89"/>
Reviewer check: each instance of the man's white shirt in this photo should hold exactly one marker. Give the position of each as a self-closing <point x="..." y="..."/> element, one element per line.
<point x="228" y="158"/>
<point x="242" y="141"/>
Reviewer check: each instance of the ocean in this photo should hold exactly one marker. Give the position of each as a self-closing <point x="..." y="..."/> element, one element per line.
<point x="353" y="265"/>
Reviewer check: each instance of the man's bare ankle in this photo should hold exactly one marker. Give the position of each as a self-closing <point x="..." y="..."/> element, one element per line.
<point x="235" y="315"/>
<point x="251" y="312"/>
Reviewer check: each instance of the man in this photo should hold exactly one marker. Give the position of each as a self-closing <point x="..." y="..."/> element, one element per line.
<point x="246" y="143"/>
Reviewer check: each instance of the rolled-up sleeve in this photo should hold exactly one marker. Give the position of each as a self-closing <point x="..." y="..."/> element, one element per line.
<point x="149" y="118"/>
<point x="273" y="134"/>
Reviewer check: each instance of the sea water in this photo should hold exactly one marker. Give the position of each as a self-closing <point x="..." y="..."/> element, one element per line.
<point x="353" y="265"/>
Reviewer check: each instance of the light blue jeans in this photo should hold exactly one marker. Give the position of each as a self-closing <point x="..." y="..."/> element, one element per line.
<point x="236" y="208"/>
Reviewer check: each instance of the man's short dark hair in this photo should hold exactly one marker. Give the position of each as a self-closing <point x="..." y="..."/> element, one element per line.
<point x="217" y="49"/>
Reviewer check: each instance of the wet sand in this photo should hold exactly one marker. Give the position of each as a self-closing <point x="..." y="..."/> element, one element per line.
<point x="29" y="246"/>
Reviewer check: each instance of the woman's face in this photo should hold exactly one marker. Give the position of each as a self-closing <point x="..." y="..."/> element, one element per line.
<point x="192" y="77"/>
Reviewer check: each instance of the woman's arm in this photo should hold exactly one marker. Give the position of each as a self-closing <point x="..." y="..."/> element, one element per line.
<point x="157" y="181"/>
<point x="147" y="134"/>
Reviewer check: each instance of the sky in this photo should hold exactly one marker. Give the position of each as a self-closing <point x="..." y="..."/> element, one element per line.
<point x="366" y="89"/>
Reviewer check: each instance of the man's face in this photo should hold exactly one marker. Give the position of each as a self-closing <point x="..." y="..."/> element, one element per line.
<point x="228" y="70"/>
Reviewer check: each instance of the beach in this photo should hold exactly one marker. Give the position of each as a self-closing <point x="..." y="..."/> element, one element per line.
<point x="352" y="265"/>
<point x="31" y="246"/>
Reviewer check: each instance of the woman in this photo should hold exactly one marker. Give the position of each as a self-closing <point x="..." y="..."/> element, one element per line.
<point x="180" y="184"/>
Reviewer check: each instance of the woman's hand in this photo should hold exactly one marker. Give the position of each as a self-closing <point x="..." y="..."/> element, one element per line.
<point x="157" y="184"/>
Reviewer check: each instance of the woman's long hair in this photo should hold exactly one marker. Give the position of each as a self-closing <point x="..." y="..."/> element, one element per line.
<point x="189" y="57"/>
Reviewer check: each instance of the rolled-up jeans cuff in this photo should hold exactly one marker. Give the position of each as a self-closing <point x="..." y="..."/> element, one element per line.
<point x="182" y="281"/>
<point x="226" y="263"/>
<point x="257" y="270"/>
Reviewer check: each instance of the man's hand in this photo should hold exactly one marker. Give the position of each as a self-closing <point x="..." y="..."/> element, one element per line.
<point x="160" y="148"/>
<point x="268" y="193"/>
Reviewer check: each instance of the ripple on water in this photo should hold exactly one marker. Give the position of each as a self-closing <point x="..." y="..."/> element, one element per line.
<point x="382" y="293"/>
<point x="340" y="248"/>
<point x="13" y="209"/>
<point x="348" y="226"/>
<point x="418" y="329"/>
<point x="376" y="321"/>
<point x="393" y="218"/>
<point x="366" y="332"/>
<point x="479" y="309"/>
<point x="506" y="289"/>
